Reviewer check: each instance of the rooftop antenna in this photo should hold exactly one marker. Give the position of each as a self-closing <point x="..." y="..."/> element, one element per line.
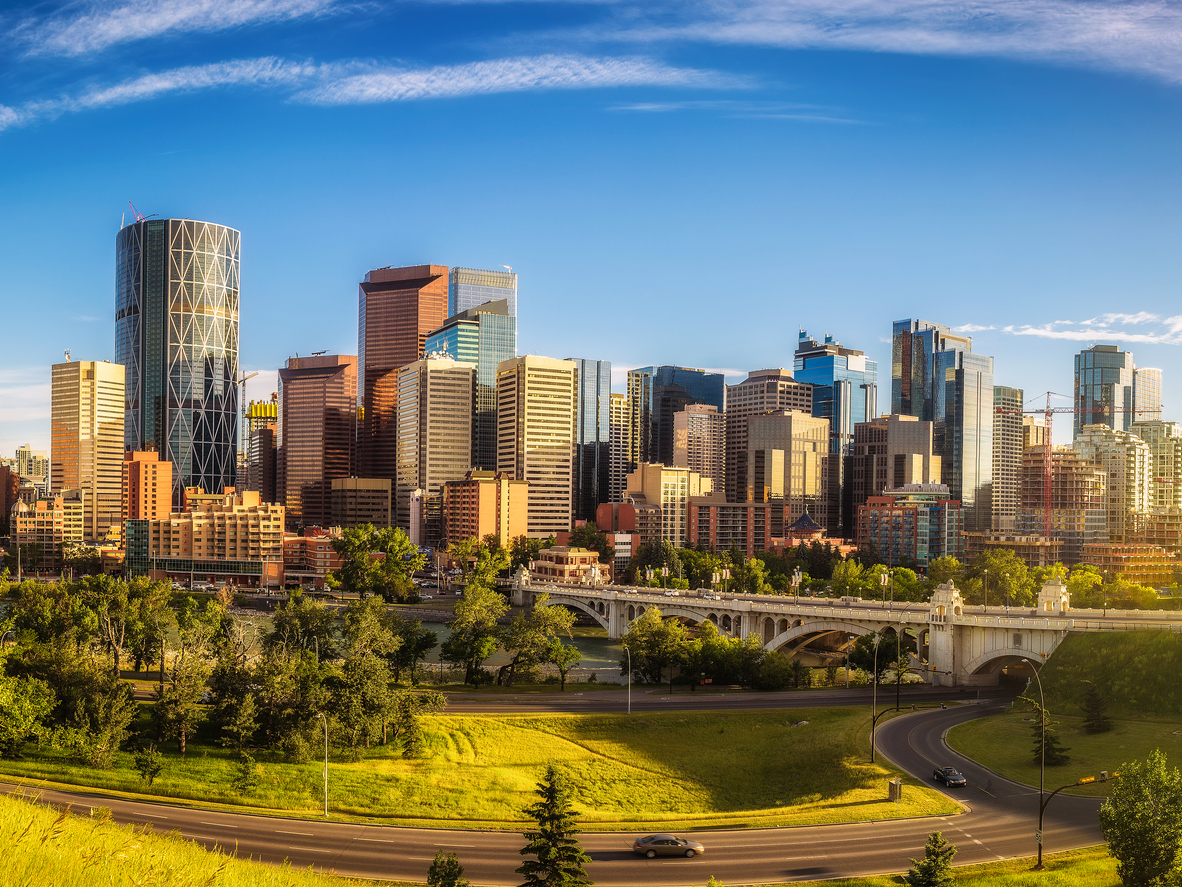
<point x="318" y="353"/>
<point x="67" y="355"/>
<point x="508" y="268"/>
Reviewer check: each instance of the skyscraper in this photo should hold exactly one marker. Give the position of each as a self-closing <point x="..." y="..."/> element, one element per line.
<point x="619" y="431"/>
<point x="845" y="391"/>
<point x="787" y="456"/>
<point x="1127" y="461"/>
<point x="536" y="413"/>
<point x="397" y="308"/>
<point x="1008" y="440"/>
<point x="469" y="287"/>
<point x="1165" y="447"/>
<point x="315" y="434"/>
<point x="1146" y="394"/>
<point x="176" y="333"/>
<point x="434" y="439"/>
<point x="483" y="336"/>
<point x="86" y="450"/>
<point x="592" y="436"/>
<point x="936" y="377"/>
<point x="655" y="394"/>
<point x="1104" y="379"/>
<point x="699" y="442"/>
<point x="763" y="391"/>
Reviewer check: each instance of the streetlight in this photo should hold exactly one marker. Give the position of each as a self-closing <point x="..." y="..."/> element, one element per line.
<point x="883" y="580"/>
<point x="985" y="588"/>
<point x="874" y="697"/>
<point x="323" y="718"/>
<point x="797" y="578"/>
<point x="1042" y="757"/>
<point x="629" y="652"/>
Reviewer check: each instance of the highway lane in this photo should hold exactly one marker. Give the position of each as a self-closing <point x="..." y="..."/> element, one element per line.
<point x="999" y="825"/>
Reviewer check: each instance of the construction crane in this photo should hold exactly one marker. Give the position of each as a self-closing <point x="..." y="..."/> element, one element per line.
<point x="1048" y="412"/>
<point x="242" y="406"/>
<point x="134" y="212"/>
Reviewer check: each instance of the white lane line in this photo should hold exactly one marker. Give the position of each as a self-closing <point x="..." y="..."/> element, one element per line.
<point x="376" y="840"/>
<point x="422" y="858"/>
<point x="217" y="824"/>
<point x="309" y="849"/>
<point x="301" y="834"/>
<point x="975" y="841"/>
<point x="466" y="846"/>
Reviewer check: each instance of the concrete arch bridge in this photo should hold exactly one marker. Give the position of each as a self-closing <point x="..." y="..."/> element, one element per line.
<point x="962" y="645"/>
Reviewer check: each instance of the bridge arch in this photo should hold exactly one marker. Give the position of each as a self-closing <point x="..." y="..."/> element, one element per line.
<point x="587" y="607"/>
<point x="810" y="631"/>
<point x="995" y="660"/>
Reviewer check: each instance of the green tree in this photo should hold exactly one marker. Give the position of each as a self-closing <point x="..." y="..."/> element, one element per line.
<point x="474" y="629"/>
<point x="246" y="774"/>
<point x="360" y="700"/>
<point x="408" y="709"/>
<point x="935" y="869"/>
<point x="149" y="763"/>
<point x="1048" y="748"/>
<point x="25" y="704"/>
<point x="849" y="578"/>
<point x="1095" y="709"/>
<point x="416" y="642"/>
<point x="522" y="550"/>
<point x="446" y="871"/>
<point x="943" y="569"/>
<point x="529" y="635"/>
<point x="1142" y="821"/>
<point x="655" y="644"/>
<point x="564" y="657"/>
<point x="558" y="856"/>
<point x="301" y="623"/>
<point x="377" y="561"/>
<point x="589" y="536"/>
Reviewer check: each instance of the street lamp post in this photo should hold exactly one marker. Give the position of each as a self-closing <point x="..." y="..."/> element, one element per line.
<point x="883" y="580"/>
<point x="323" y="718"/>
<point x="629" y="652"/>
<point x="797" y="578"/>
<point x="1042" y="757"/>
<point x="985" y="588"/>
<point x="874" y="697"/>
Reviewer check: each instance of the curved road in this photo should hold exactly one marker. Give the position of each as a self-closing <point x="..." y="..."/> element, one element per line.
<point x="999" y="824"/>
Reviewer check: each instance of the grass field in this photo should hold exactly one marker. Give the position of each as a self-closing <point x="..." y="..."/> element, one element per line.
<point x="1005" y="743"/>
<point x="676" y="770"/>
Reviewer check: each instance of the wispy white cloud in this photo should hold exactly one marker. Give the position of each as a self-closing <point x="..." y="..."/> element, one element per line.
<point x="385" y="84"/>
<point x="365" y="82"/>
<point x="24" y="408"/>
<point x="972" y="328"/>
<point x="98" y="25"/>
<point x="1151" y="329"/>
<point x="1136" y="35"/>
<point x="744" y="109"/>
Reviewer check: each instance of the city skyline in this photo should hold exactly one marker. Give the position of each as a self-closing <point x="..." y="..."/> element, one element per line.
<point x="1016" y="183"/>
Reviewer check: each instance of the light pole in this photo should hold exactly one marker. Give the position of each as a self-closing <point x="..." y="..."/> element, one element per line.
<point x="985" y="588"/>
<point x="874" y="697"/>
<point x="323" y="718"/>
<point x="797" y="577"/>
<point x="629" y="652"/>
<point x="1042" y="757"/>
<point x="883" y="579"/>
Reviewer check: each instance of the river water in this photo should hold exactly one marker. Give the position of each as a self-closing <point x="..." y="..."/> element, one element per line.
<point x="600" y="654"/>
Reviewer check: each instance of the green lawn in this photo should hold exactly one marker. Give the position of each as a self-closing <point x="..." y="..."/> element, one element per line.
<point x="1004" y="743"/>
<point x="676" y="770"/>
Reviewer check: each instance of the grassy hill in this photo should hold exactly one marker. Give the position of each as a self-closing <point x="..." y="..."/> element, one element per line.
<point x="1136" y="671"/>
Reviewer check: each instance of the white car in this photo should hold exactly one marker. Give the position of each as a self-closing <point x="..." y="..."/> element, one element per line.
<point x="670" y="593"/>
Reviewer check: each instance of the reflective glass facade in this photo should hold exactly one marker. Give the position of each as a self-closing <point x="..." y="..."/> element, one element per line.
<point x="469" y="287"/>
<point x="1147" y="394"/>
<point x="655" y="394"/>
<point x="176" y="332"/>
<point x="592" y="437"/>
<point x="1104" y="377"/>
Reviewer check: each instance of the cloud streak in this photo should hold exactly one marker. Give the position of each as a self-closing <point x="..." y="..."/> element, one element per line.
<point x="102" y="25"/>
<point x="352" y="83"/>
<point x="1151" y="329"/>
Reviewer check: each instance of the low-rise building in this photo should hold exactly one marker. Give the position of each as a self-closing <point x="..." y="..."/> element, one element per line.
<point x="44" y="526"/>
<point x="309" y="557"/>
<point x="572" y="566"/>
<point x="641" y="521"/>
<point x="147" y="486"/>
<point x="911" y="526"/>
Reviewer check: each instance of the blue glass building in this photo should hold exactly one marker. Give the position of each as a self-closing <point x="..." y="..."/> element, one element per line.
<point x="655" y="394"/>
<point x="592" y="437"/>
<point x="483" y="335"/>
<point x="1105" y="392"/>
<point x="469" y="287"/>
<point x="936" y="378"/>
<point x="176" y="333"/>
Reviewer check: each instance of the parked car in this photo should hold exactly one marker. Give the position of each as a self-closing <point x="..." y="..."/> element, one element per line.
<point x="671" y="593"/>
<point x="950" y="776"/>
<point x="666" y="845"/>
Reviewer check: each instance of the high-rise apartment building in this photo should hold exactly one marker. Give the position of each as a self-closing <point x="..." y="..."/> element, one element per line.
<point x="620" y="434"/>
<point x="592" y="436"/>
<point x="763" y="391"/>
<point x="1078" y="500"/>
<point x="787" y="463"/>
<point x="1127" y="461"/>
<point x="176" y="333"/>
<point x="888" y="452"/>
<point x="1165" y="449"/>
<point x="397" y="308"/>
<point x="536" y="414"/>
<point x="655" y="394"/>
<point x="485" y="503"/>
<point x="1104" y="382"/>
<point x="316" y="434"/>
<point x="42" y="527"/>
<point x="1008" y="443"/>
<point x="912" y="525"/>
<point x="699" y="442"/>
<point x="1146" y="394"/>
<point x="469" y="287"/>
<point x="147" y="487"/>
<point x="434" y="439"/>
<point x="86" y="439"/>
<point x="33" y="467"/>
<point x="483" y="336"/>
<point x="936" y="377"/>
<point x="670" y="489"/>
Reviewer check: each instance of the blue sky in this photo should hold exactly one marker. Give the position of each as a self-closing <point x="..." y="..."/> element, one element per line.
<point x="682" y="183"/>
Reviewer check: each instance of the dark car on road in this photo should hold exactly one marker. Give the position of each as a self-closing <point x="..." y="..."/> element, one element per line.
<point x="950" y="776"/>
<point x="666" y="845"/>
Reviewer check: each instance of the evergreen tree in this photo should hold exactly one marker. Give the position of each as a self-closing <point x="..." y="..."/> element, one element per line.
<point x="1054" y="754"/>
<point x="559" y="856"/>
<point x="935" y="869"/>
<point x="1095" y="709"/>
<point x="446" y="871"/>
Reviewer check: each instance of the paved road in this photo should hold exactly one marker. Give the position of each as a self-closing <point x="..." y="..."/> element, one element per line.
<point x="1000" y="824"/>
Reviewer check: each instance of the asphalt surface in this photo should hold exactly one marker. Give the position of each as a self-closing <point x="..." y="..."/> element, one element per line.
<point x="1000" y="823"/>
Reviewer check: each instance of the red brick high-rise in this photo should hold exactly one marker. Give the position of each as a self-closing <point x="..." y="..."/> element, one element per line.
<point x="396" y="309"/>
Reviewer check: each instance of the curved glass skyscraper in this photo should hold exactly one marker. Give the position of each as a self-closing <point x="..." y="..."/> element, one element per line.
<point x="176" y="333"/>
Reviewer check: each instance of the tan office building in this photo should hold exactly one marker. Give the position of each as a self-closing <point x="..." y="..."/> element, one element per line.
<point x="147" y="487"/>
<point x="762" y="391"/>
<point x="435" y="397"/>
<point x="699" y="442"/>
<point x="536" y="413"/>
<point x="86" y="449"/>
<point x="485" y="503"/>
<point x="362" y="500"/>
<point x="787" y="461"/>
<point x="671" y="490"/>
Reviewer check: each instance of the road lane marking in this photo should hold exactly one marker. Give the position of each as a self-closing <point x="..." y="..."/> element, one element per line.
<point x="309" y="849"/>
<point x="217" y="824"/>
<point x="975" y="841"/>
<point x="301" y="834"/>
<point x="465" y="846"/>
<point x="376" y="840"/>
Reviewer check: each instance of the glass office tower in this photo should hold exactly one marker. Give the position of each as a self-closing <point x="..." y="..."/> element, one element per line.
<point x="592" y="437"/>
<point x="655" y="394"/>
<point x="469" y="287"/>
<point x="1104" y="388"/>
<point x="482" y="336"/>
<point x="176" y="333"/>
<point x="936" y="378"/>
